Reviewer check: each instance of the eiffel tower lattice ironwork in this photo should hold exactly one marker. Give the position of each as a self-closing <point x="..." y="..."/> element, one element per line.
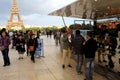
<point x="11" y="22"/>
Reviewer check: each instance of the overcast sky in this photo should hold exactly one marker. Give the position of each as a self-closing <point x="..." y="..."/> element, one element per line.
<point x="35" y="12"/>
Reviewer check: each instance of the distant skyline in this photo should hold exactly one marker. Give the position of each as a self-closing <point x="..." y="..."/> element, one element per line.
<point x="36" y="12"/>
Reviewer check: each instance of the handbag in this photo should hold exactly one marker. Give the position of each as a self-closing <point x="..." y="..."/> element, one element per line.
<point x="31" y="48"/>
<point x="2" y="48"/>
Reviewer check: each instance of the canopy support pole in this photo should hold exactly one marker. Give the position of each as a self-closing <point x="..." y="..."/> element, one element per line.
<point x="63" y="20"/>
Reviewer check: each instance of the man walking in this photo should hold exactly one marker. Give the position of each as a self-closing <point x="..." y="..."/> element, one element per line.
<point x="66" y="46"/>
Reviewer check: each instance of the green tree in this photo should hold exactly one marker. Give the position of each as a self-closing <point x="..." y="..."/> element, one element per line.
<point x="74" y="26"/>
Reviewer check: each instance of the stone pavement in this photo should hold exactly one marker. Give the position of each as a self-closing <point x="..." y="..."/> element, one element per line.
<point x="48" y="68"/>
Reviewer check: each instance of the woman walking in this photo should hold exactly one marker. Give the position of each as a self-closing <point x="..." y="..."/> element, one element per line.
<point x="5" y="42"/>
<point x="20" y="46"/>
<point x="32" y="46"/>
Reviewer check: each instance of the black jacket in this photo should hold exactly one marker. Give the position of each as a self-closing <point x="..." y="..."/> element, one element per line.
<point x="90" y="48"/>
<point x="78" y="44"/>
<point x="20" y="45"/>
<point x="33" y="42"/>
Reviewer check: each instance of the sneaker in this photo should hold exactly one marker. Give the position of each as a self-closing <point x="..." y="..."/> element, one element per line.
<point x="4" y="65"/>
<point x="63" y="66"/>
<point x="69" y="66"/>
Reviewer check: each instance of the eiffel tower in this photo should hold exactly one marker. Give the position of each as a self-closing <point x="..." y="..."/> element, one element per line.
<point x="11" y="22"/>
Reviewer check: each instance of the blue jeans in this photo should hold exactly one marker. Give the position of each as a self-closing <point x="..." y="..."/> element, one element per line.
<point x="79" y="62"/>
<point x="6" y="57"/>
<point x="89" y="68"/>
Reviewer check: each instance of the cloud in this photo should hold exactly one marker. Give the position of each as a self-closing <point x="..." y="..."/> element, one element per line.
<point x="42" y="7"/>
<point x="33" y="11"/>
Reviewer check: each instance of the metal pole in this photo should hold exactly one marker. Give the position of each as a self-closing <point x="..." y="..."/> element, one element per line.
<point x="63" y="21"/>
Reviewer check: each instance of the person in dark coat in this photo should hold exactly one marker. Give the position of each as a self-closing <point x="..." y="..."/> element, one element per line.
<point x="27" y="38"/>
<point x="20" y="46"/>
<point x="90" y="48"/>
<point x="50" y="33"/>
<point x="78" y="48"/>
<point x="33" y="43"/>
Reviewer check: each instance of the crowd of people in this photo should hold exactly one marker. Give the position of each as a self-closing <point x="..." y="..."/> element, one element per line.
<point x="75" y="43"/>
<point x="71" y="42"/>
<point x="19" y="41"/>
<point x="49" y="33"/>
<point x="85" y="49"/>
<point x="107" y="41"/>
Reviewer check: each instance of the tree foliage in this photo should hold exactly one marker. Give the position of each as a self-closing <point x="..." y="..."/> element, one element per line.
<point x="83" y="26"/>
<point x="74" y="26"/>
